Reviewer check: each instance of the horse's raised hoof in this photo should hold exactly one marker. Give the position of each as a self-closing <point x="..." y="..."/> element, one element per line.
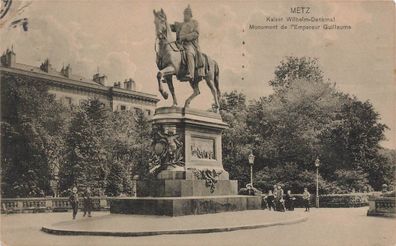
<point x="165" y="95"/>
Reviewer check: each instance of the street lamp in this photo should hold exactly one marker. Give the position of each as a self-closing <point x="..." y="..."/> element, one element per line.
<point x="251" y="161"/>
<point x="317" y="163"/>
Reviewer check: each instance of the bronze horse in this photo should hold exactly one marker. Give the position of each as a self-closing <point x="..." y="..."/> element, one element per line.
<point x="169" y="63"/>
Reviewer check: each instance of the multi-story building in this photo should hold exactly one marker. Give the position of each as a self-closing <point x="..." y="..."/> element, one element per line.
<point x="71" y="89"/>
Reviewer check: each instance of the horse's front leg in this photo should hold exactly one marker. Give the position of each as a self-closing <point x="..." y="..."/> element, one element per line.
<point x="161" y="77"/>
<point x="169" y="81"/>
<point x="161" y="90"/>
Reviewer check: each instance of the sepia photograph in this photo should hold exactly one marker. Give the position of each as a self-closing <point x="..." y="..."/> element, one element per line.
<point x="188" y="122"/>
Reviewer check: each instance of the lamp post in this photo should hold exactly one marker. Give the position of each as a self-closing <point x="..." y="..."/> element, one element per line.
<point x="317" y="163"/>
<point x="251" y="161"/>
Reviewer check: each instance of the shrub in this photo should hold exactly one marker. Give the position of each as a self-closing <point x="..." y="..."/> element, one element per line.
<point x="337" y="200"/>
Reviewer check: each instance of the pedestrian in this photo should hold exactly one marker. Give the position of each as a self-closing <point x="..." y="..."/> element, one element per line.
<point x="270" y="200"/>
<point x="73" y="199"/>
<point x="289" y="201"/>
<point x="275" y="193"/>
<point x="306" y="198"/>
<point x="264" y="204"/>
<point x="249" y="189"/>
<point x="87" y="202"/>
<point x="279" y="199"/>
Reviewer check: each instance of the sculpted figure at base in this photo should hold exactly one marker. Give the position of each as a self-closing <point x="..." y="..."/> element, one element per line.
<point x="167" y="149"/>
<point x="181" y="57"/>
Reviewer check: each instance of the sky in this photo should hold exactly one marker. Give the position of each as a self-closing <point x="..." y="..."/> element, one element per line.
<point x="117" y="38"/>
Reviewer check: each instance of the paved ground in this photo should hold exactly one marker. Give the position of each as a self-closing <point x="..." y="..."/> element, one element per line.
<point x="140" y="223"/>
<point x="337" y="226"/>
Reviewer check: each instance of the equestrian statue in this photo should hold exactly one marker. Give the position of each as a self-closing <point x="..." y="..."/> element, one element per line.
<point x="182" y="57"/>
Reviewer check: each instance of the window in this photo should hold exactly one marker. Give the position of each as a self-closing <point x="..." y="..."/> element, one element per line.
<point x="123" y="107"/>
<point x="68" y="100"/>
<point x="137" y="110"/>
<point x="148" y="112"/>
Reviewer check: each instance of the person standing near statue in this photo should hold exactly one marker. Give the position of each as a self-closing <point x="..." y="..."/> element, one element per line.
<point x="306" y="198"/>
<point x="270" y="200"/>
<point x="289" y="201"/>
<point x="279" y="199"/>
<point x="87" y="202"/>
<point x="187" y="34"/>
<point x="275" y="192"/>
<point x="73" y="200"/>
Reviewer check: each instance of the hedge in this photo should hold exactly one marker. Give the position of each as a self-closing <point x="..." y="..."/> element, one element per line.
<point x="337" y="200"/>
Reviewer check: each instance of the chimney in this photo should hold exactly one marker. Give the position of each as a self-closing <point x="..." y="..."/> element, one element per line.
<point x="8" y="58"/>
<point x="46" y="66"/>
<point x="100" y="79"/>
<point x="66" y="71"/>
<point x="129" y="84"/>
<point x="132" y="84"/>
<point x="117" y="84"/>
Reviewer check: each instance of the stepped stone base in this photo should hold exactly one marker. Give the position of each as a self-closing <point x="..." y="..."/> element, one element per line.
<point x="185" y="188"/>
<point x="178" y="206"/>
<point x="191" y="178"/>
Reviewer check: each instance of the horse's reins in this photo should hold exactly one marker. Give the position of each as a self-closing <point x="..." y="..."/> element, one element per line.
<point x="164" y="37"/>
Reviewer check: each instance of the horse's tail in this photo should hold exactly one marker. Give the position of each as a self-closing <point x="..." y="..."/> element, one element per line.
<point x="216" y="79"/>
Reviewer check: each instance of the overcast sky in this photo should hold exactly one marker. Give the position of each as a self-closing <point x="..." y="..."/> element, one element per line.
<point x="118" y="38"/>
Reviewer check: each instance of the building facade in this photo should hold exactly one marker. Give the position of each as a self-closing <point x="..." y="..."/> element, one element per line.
<point x="72" y="89"/>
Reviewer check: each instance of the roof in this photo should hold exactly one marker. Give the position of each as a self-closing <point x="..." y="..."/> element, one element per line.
<point x="52" y="72"/>
<point x="74" y="81"/>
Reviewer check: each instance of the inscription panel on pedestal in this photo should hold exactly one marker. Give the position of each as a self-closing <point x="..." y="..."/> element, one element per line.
<point x="203" y="148"/>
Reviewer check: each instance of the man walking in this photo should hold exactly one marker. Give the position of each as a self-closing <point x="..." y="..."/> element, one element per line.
<point x="73" y="199"/>
<point x="306" y="198"/>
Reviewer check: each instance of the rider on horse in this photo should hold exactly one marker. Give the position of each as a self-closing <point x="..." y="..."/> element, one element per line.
<point x="187" y="34"/>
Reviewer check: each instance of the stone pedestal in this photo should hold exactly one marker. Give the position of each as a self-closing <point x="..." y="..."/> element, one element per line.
<point x="382" y="206"/>
<point x="199" y="133"/>
<point x="190" y="178"/>
<point x="183" y="188"/>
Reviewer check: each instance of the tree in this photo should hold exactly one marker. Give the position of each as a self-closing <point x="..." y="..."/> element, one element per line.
<point x="236" y="139"/>
<point x="116" y="179"/>
<point x="388" y="166"/>
<point x="142" y="146"/>
<point x="129" y="150"/>
<point x="353" y="142"/>
<point x="288" y="125"/>
<point x="304" y="119"/>
<point x="290" y="177"/>
<point x="33" y="124"/>
<point x="293" y="69"/>
<point x="86" y="161"/>
<point x="352" y="180"/>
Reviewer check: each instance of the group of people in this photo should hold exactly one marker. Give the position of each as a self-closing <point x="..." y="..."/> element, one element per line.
<point x="74" y="201"/>
<point x="277" y="201"/>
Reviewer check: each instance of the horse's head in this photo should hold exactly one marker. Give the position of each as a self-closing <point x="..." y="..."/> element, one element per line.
<point x="161" y="25"/>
